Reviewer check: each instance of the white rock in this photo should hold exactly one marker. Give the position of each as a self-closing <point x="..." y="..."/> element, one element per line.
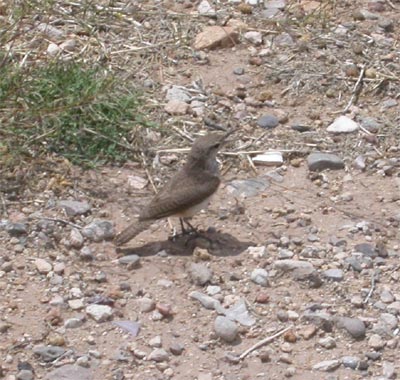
<point x="53" y="49"/>
<point x="76" y="304"/>
<point x="146" y="304"/>
<point x="100" y="313"/>
<point x="269" y="159"/>
<point x="253" y="37"/>
<point x="43" y="266"/>
<point x="75" y="293"/>
<point x="159" y="355"/>
<point x="155" y="342"/>
<point x="257" y="252"/>
<point x="259" y="276"/>
<point x="205" y="8"/>
<point x="327" y="365"/>
<point x="343" y="124"/>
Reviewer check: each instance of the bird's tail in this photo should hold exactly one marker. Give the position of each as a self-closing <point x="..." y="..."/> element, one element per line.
<point x="131" y="231"/>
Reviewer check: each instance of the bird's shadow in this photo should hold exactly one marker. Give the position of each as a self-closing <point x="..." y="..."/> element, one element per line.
<point x="217" y="244"/>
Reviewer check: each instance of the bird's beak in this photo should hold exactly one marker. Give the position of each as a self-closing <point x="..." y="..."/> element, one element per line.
<point x="225" y="138"/>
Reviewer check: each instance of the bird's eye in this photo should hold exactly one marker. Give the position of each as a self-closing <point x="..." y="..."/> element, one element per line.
<point x="217" y="145"/>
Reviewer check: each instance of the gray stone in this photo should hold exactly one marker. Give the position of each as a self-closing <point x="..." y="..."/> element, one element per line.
<point x="200" y="274"/>
<point x="370" y="124"/>
<point x="73" y="323"/>
<point x="225" y="329"/>
<point x="386" y="24"/>
<point x="178" y="93"/>
<point x="205" y="9"/>
<point x="388" y="370"/>
<point x="366" y="249"/>
<point x="327" y="365"/>
<point x="359" y="162"/>
<point x="207" y="301"/>
<point x="389" y="103"/>
<point x="343" y="124"/>
<point x="374" y="355"/>
<point x="369" y="15"/>
<point x="389" y="320"/>
<point x="100" y="313"/>
<point x="320" y="161"/>
<point x="176" y="348"/>
<point x="354" y="263"/>
<point x="248" y="187"/>
<point x="387" y="296"/>
<point x="354" y="326"/>
<point x="284" y="40"/>
<point x="86" y="254"/>
<point x="238" y="70"/>
<point x="132" y="260"/>
<point x="43" y="266"/>
<point x="48" y="353"/>
<point x="350" y="362"/>
<point x="394" y="308"/>
<point x="292" y="265"/>
<point x="70" y="372"/>
<point x="260" y="277"/>
<point x="327" y="342"/>
<point x="25" y="375"/>
<point x="74" y="208"/>
<point x="334" y="274"/>
<point x="255" y="38"/>
<point x="268" y="121"/>
<point x="376" y="342"/>
<point x="238" y="312"/>
<point x="99" y="230"/>
<point x="284" y="254"/>
<point x="17" y="229"/>
<point x="282" y="315"/>
<point x="159" y="355"/>
<point x="320" y="319"/>
<point x="51" y="31"/>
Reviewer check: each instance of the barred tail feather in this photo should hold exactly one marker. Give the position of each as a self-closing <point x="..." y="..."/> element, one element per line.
<point x="131" y="231"/>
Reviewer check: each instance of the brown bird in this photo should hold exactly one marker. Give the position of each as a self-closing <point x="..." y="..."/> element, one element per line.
<point x="188" y="191"/>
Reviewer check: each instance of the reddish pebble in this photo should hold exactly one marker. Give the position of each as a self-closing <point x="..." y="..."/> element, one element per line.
<point x="54" y="316"/>
<point x="164" y="309"/>
<point x="290" y="336"/>
<point x="262" y="298"/>
<point x="255" y="61"/>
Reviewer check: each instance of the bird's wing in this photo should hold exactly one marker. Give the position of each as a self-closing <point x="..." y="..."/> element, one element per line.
<point x="175" y="199"/>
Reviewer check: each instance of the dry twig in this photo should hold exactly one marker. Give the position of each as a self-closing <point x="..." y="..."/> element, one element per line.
<point x="356" y="90"/>
<point x="264" y="342"/>
<point x="371" y="290"/>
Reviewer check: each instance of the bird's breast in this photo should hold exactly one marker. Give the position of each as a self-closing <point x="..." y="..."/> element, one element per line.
<point x="191" y="211"/>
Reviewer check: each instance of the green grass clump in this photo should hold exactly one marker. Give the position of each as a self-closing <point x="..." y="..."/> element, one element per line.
<point x="83" y="114"/>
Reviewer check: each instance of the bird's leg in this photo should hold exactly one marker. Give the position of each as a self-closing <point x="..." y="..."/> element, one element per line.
<point x="183" y="229"/>
<point x="191" y="228"/>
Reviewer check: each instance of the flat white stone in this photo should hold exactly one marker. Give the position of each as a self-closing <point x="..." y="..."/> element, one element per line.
<point x="343" y="124"/>
<point x="269" y="159"/>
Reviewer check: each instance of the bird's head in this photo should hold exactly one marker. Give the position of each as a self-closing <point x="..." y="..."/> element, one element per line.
<point x="208" y="145"/>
